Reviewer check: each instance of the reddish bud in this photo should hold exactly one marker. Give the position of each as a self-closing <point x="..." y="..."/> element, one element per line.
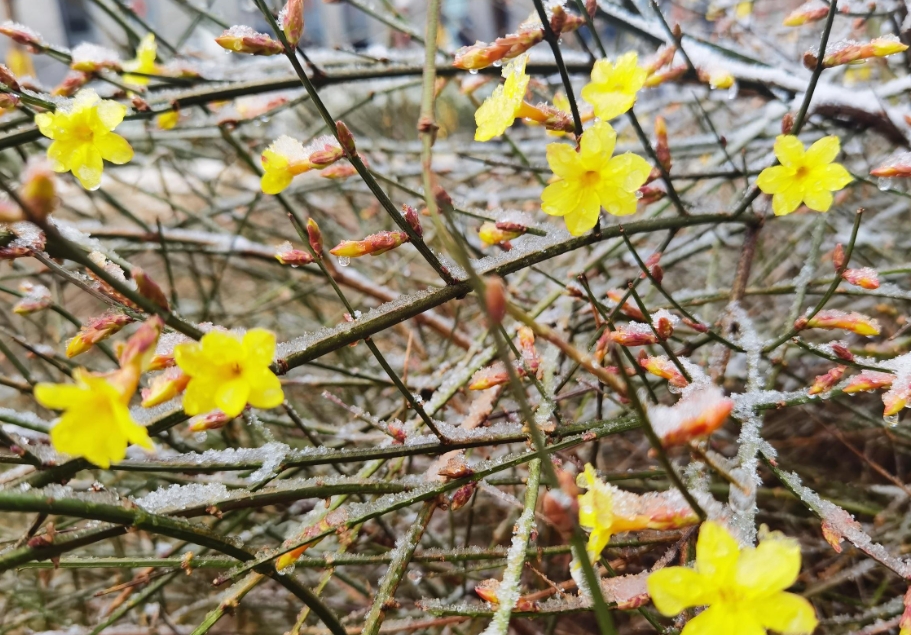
<point x="838" y="256"/>
<point x="663" y="367"/>
<point x="96" y="330"/>
<point x="138" y="350"/>
<point x="495" y="299"/>
<point x="822" y="383"/>
<point x="869" y="380"/>
<point x="164" y="387"/>
<point x="833" y="319"/>
<point x="243" y="39"/>
<point x="148" y="288"/>
<point x="315" y="237"/>
<point x="37" y="298"/>
<point x="346" y="139"/>
<point x="787" y="123"/>
<point x="865" y="277"/>
<point x="413" y="220"/>
<point x="374" y="245"/>
<point x="291" y="20"/>
<point x="210" y="421"/>
<point x="841" y="351"/>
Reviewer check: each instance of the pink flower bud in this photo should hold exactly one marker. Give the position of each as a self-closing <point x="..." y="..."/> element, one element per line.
<point x="346" y="139"/>
<point x="841" y="351"/>
<point x="822" y="383"/>
<point x="663" y="367"/>
<point x="291" y="19"/>
<point x="865" y="277"/>
<point x="696" y="415"/>
<point x="838" y="256"/>
<point x="243" y="39"/>
<point x="669" y="75"/>
<point x="315" y="238"/>
<point x="495" y="299"/>
<point x="663" y="57"/>
<point x="37" y="298"/>
<point x="149" y="289"/>
<point x="869" y="380"/>
<point x="811" y="11"/>
<point x="339" y="171"/>
<point x="139" y="349"/>
<point x="7" y="77"/>
<point x="833" y="319"/>
<point x="96" y="330"/>
<point x="210" y="421"/>
<point x="462" y="496"/>
<point x="374" y="245"/>
<point x="160" y="362"/>
<point x="628" y="309"/>
<point x="413" y="220"/>
<point x="634" y="334"/>
<point x="22" y="34"/>
<point x="287" y="255"/>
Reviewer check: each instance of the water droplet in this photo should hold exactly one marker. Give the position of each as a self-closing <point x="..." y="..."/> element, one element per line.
<point x="344" y="261"/>
<point x="473" y="71"/>
<point x="498" y="63"/>
<point x="639" y="194"/>
<point x="286" y="570"/>
<point x="200" y="437"/>
<point x="733" y="90"/>
<point x="891" y="420"/>
<point x="885" y="184"/>
<point x="560" y="41"/>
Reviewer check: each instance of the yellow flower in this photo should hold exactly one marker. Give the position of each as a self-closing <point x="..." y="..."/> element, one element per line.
<point x="807" y="177"/>
<point x="228" y="372"/>
<point x="83" y="136"/>
<point x="613" y="88"/>
<point x="499" y="111"/>
<point x="144" y="61"/>
<point x="591" y="179"/>
<point x="743" y="588"/>
<point x="596" y="511"/>
<point x="168" y="120"/>
<point x="96" y="423"/>
<point x="282" y="161"/>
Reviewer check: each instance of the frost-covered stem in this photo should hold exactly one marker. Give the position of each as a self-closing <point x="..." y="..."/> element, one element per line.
<point x="801" y="117"/>
<point x="806" y="272"/>
<point x="553" y="40"/>
<point x="401" y="557"/>
<point x="229" y="601"/>
<point x="849" y="249"/>
<point x="663" y="343"/>
<point x="353" y="157"/>
<point x="508" y="590"/>
<point x="654" y="440"/>
<point x="665" y="175"/>
<point x="592" y="29"/>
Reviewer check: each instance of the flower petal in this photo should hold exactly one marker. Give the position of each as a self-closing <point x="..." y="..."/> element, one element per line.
<point x="582" y="219"/>
<point x="771" y="567"/>
<point x="774" y="179"/>
<point x="786" y="613"/>
<point x="716" y="551"/>
<point x="259" y="345"/>
<point x="87" y="166"/>
<point x="789" y="150"/>
<point x="818" y="199"/>
<point x="60" y="396"/>
<point x="222" y="348"/>
<point x="823" y="151"/>
<point x="833" y="177"/>
<point x="674" y="589"/>
<point x="265" y="390"/>
<point x="563" y="160"/>
<point x="629" y="171"/>
<point x="274" y="181"/>
<point x="231" y="397"/>
<point x="560" y="198"/>
<point x="618" y="202"/>
<point x="787" y="200"/>
<point x="114" y="148"/>
<point x="110" y="114"/>
<point x="46" y="122"/>
<point x="199" y="397"/>
<point x="132" y="431"/>
<point x="721" y="620"/>
<point x="189" y="357"/>
<point x="597" y="145"/>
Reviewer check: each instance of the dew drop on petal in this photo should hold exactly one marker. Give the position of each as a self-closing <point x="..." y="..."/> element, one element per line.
<point x="498" y="63"/>
<point x="638" y="194"/>
<point x="885" y="184"/>
<point x="473" y="71"/>
<point x="344" y="261"/>
<point x="891" y="420"/>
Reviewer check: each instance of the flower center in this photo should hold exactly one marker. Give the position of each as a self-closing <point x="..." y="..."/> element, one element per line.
<point x="802" y="172"/>
<point x="236" y="369"/>
<point x="590" y="179"/>
<point x="83" y="133"/>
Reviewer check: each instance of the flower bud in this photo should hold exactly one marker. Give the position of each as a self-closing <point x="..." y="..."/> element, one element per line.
<point x="661" y="58"/>
<point x="338" y="171"/>
<point x="648" y="194"/>
<point x="493" y="375"/>
<point x="697" y="415"/>
<point x="39" y="190"/>
<point x="462" y="496"/>
<point x="897" y="167"/>
<point x="490" y="234"/>
<point x="865" y="277"/>
<point x="315" y="237"/>
<point x="628" y="309"/>
<point x="634" y="334"/>
<point x="209" y="421"/>
<point x="96" y="330"/>
<point x="896" y="398"/>
<point x="149" y="289"/>
<point x="787" y="123"/>
<point x="841" y="351"/>
<point x="822" y="383"/>
<point x="662" y="150"/>
<point x="717" y="78"/>
<point x="140" y="347"/>
<point x="602" y="346"/>
<point x="7" y="77"/>
<point x="849" y="52"/>
<point x="346" y="139"/>
<point x="325" y="156"/>
<point x="669" y="75"/>
<point x="164" y="387"/>
<point x="168" y="120"/>
<point x="22" y="34"/>
<point x="37" y="298"/>
<point x="833" y="319"/>
<point x="72" y="82"/>
<point x="8" y="101"/>
<point x="243" y="39"/>
<point x="664" y="323"/>
<point x="160" y="362"/>
<point x="287" y="255"/>
<point x="868" y="380"/>
<point x="838" y="256"/>
<point x="291" y="20"/>
<point x="413" y="220"/>
<point x="661" y="366"/>
<point x="699" y="327"/>
<point x="375" y="244"/>
<point x="495" y="299"/>
<point x="811" y="11"/>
